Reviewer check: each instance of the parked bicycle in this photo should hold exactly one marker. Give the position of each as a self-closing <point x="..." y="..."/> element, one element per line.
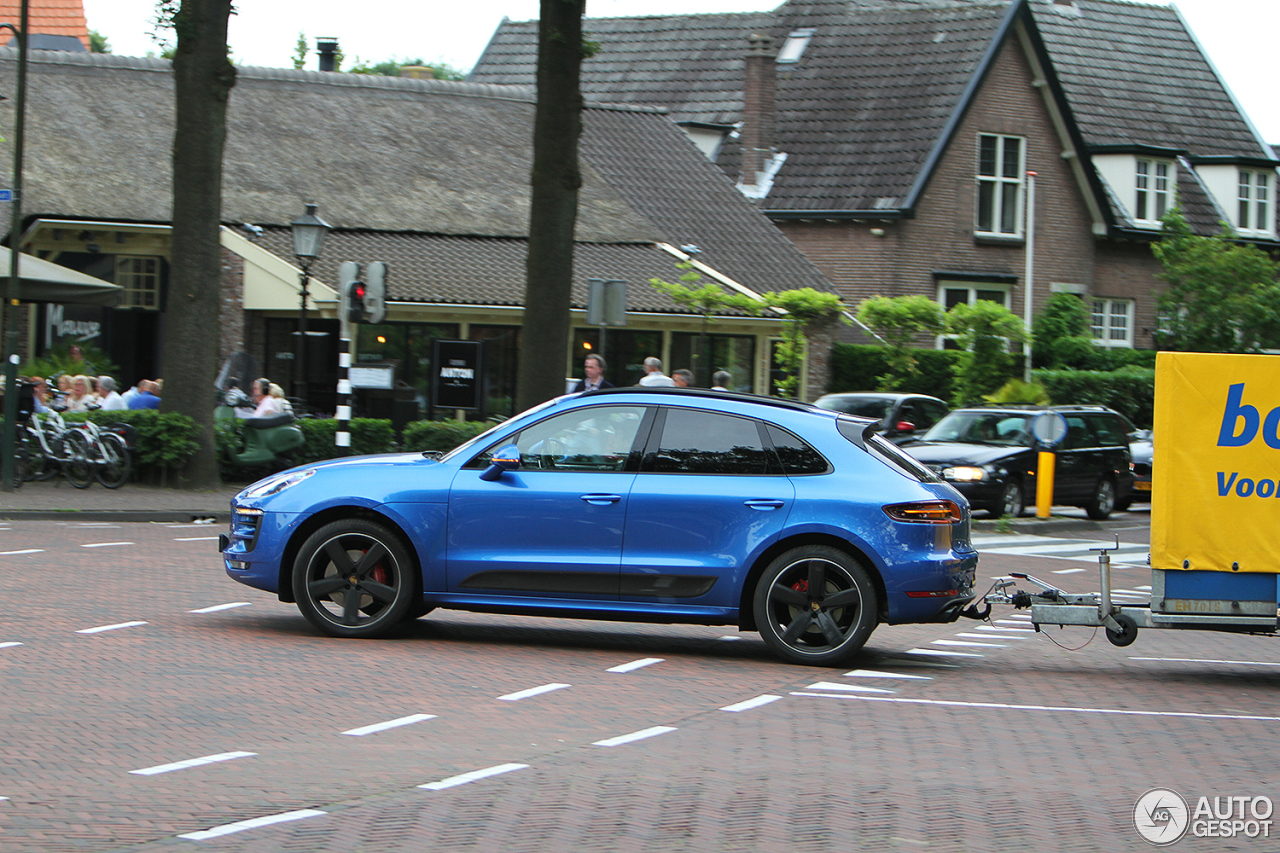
<point x="50" y="447"/>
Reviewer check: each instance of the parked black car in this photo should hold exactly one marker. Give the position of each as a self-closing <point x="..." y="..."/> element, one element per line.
<point x="990" y="457"/>
<point x="902" y="417"/>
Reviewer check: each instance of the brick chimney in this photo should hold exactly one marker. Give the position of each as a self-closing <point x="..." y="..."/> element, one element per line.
<point x="758" y="110"/>
<point x="327" y="48"/>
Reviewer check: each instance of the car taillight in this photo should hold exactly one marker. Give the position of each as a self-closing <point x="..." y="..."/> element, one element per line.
<point x="925" y="512"/>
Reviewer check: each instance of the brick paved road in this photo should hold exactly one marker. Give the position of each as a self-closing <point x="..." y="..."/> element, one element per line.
<point x="252" y="707"/>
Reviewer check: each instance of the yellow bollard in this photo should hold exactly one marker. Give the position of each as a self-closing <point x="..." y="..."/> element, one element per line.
<point x="1044" y="484"/>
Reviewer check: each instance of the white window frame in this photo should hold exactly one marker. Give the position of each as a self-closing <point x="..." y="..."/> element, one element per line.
<point x="1254" y="190"/>
<point x="1153" y="184"/>
<point x="1111" y="322"/>
<point x="141" y="286"/>
<point x="1000" y="183"/>
<point x="973" y="288"/>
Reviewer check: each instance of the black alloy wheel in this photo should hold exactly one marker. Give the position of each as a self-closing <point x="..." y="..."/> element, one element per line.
<point x="816" y="605"/>
<point x="355" y="578"/>
<point x="1012" y="500"/>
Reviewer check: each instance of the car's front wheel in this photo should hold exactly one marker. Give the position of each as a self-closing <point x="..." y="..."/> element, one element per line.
<point x="1104" y="500"/>
<point x="354" y="578"/>
<point x="1012" y="501"/>
<point x="815" y="605"/>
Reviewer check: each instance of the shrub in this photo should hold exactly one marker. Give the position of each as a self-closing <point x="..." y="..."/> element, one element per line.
<point x="1129" y="390"/>
<point x="440" y="435"/>
<point x="165" y="439"/>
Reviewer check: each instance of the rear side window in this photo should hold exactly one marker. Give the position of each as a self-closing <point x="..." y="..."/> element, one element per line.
<point x="1108" y="430"/>
<point x="886" y="451"/>
<point x="698" y="442"/>
<point x="794" y="454"/>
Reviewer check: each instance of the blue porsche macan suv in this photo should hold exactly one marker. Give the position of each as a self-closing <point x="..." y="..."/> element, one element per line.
<point x="658" y="505"/>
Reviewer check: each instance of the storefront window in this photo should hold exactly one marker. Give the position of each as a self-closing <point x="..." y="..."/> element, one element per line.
<point x="734" y="354"/>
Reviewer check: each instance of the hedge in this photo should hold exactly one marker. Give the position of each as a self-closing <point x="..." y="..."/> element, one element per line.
<point x="1129" y="390"/>
<point x="858" y="367"/>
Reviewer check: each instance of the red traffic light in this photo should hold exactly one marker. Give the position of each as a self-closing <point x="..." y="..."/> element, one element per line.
<point x="357" y="290"/>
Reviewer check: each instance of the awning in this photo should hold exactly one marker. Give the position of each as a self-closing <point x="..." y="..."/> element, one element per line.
<point x="43" y="281"/>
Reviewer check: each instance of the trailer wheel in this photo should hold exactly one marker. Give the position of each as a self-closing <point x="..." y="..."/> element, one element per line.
<point x="1128" y="631"/>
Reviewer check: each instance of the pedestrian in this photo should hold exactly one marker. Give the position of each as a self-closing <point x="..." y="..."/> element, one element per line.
<point x="722" y="378"/>
<point x="148" y="396"/>
<point x="682" y="378"/>
<point x="111" y="399"/>
<point x="286" y="408"/>
<point x="266" y="405"/>
<point x="653" y="375"/>
<point x="593" y="366"/>
<point x="81" y="398"/>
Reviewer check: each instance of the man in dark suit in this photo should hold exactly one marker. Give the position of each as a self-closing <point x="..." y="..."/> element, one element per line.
<point x="593" y="366"/>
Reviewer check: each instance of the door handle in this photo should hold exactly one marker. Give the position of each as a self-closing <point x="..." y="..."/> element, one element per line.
<point x="602" y="500"/>
<point x="763" y="504"/>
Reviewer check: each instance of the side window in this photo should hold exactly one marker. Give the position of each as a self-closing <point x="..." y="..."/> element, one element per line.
<point x="599" y="438"/>
<point x="930" y="414"/>
<point x="1108" y="430"/>
<point x="796" y="456"/>
<point x="1078" y="433"/>
<point x="697" y="442"/>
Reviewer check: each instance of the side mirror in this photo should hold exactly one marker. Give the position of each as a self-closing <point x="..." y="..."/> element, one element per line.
<point x="504" y="459"/>
<point x="904" y="426"/>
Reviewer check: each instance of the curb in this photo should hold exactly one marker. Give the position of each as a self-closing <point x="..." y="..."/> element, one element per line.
<point x="138" y="515"/>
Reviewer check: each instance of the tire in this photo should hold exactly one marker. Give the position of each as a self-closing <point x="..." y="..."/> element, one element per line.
<point x="116" y="464"/>
<point x="1128" y="631"/>
<point x="826" y="629"/>
<point x="76" y="466"/>
<point x="1012" y="501"/>
<point x="1104" y="500"/>
<point x="354" y="578"/>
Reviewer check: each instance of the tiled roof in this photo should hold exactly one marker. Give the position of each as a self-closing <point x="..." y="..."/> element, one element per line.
<point x="426" y="174"/>
<point x="859" y="113"/>
<point x="48" y="17"/>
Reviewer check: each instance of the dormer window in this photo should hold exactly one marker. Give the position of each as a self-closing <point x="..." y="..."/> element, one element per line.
<point x="1154" y="190"/>
<point x="1253" y="199"/>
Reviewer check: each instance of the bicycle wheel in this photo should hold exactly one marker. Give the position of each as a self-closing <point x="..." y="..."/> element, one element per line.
<point x="77" y="464"/>
<point x="40" y="466"/>
<point x="116" y="464"/>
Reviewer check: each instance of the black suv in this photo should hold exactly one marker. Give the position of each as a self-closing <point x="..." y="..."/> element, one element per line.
<point x="990" y="457"/>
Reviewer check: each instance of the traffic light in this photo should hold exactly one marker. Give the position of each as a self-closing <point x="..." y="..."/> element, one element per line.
<point x="375" y="294"/>
<point x="355" y="301"/>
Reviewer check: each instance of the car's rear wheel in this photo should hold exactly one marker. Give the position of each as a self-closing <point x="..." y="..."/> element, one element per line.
<point x="1012" y="501"/>
<point x="354" y="578"/>
<point x="1104" y="500"/>
<point x="815" y="605"/>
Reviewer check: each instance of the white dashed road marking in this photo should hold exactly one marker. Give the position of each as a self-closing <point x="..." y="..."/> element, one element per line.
<point x="197" y="539"/>
<point x="464" y="778"/>
<point x="966" y="644"/>
<point x="634" y="736"/>
<point x="748" y="704"/>
<point x="635" y="664"/>
<point x="532" y="691"/>
<point x="215" y="608"/>
<point x="389" y="724"/>
<point x="102" y="628"/>
<point x="227" y="829"/>
<point x="849" y="688"/>
<point x="871" y="673"/>
<point x="105" y="544"/>
<point x="25" y="551"/>
<point x="1199" y="660"/>
<point x="1001" y="706"/>
<point x="191" y="762"/>
<point x="9" y="645"/>
<point x="940" y="653"/>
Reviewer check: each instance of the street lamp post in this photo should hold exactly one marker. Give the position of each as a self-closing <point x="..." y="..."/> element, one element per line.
<point x="309" y="232"/>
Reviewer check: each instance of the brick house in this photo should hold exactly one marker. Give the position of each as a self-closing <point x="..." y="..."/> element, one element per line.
<point x="894" y="141"/>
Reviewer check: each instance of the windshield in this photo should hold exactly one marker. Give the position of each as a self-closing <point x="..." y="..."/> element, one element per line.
<point x="462" y="448"/>
<point x="1013" y="429"/>
<point x="862" y="407"/>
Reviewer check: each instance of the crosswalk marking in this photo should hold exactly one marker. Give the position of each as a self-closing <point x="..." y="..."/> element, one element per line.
<point x="1127" y="555"/>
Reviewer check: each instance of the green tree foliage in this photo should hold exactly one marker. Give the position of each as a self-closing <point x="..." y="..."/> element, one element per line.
<point x="300" y="50"/>
<point x="391" y="68"/>
<point x="898" y="320"/>
<point x="1222" y="296"/>
<point x="1065" y="318"/>
<point x="708" y="300"/>
<point x="98" y="42"/>
<point x="807" y="310"/>
<point x="984" y="331"/>
<point x="58" y="360"/>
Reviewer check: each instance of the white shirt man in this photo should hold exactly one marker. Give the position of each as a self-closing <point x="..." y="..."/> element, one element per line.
<point x="653" y="375"/>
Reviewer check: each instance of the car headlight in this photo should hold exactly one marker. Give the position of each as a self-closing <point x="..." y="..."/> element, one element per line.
<point x="277" y="484"/>
<point x="965" y="473"/>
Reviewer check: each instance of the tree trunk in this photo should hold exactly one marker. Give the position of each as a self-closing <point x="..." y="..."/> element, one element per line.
<point x="203" y="78"/>
<point x="544" y="344"/>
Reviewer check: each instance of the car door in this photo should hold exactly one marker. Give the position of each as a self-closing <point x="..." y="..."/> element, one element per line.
<point x="1074" y="475"/>
<point x="708" y="497"/>
<point x="554" y="526"/>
